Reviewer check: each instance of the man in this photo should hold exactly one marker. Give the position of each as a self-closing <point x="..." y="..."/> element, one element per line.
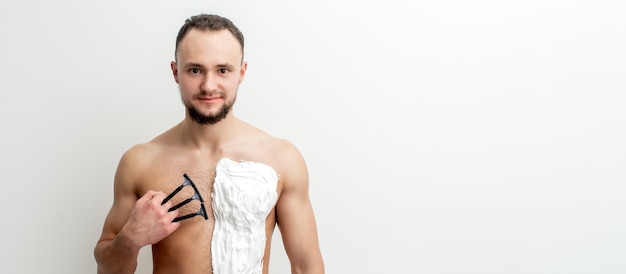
<point x="244" y="181"/>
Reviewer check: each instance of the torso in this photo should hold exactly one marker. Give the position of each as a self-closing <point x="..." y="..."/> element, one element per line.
<point x="188" y="249"/>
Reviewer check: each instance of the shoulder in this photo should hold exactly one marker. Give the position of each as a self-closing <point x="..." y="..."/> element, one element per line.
<point x="278" y="149"/>
<point x="288" y="161"/>
<point x="282" y="147"/>
<point x="130" y="161"/>
<point x="135" y="162"/>
<point x="139" y="155"/>
<point x="281" y="151"/>
<point x="278" y="146"/>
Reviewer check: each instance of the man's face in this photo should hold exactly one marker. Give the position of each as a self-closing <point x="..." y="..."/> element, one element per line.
<point x="208" y="71"/>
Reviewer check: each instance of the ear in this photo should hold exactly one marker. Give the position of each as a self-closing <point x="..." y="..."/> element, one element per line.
<point x="174" y="68"/>
<point x="242" y="72"/>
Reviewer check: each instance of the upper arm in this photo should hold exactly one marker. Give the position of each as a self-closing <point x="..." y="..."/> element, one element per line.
<point x="124" y="195"/>
<point x="294" y="213"/>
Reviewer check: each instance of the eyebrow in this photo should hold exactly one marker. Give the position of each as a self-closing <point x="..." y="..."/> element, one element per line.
<point x="225" y="65"/>
<point x="197" y="65"/>
<point x="193" y="65"/>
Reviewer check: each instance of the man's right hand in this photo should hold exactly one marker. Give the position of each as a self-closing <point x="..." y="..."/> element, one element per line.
<point x="149" y="221"/>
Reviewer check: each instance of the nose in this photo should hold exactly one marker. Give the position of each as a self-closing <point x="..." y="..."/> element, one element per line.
<point x="209" y="83"/>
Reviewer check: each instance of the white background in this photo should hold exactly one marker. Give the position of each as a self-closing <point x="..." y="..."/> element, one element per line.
<point x="441" y="136"/>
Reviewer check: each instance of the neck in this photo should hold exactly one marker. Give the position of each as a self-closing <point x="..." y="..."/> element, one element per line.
<point x="209" y="137"/>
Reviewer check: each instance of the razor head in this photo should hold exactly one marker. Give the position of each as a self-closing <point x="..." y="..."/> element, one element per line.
<point x="195" y="189"/>
<point x="195" y="196"/>
<point x="203" y="211"/>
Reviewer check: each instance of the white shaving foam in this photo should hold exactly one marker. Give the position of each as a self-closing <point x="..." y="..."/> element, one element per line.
<point x="243" y="195"/>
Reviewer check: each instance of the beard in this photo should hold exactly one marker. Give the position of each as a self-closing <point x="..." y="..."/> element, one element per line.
<point x="204" y="119"/>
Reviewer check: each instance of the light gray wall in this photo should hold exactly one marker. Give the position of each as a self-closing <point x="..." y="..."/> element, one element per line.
<point x="441" y="136"/>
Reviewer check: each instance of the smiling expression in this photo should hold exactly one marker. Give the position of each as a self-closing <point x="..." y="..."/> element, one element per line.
<point x="208" y="70"/>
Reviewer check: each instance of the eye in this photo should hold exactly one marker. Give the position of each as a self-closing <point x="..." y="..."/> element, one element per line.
<point x="223" y="71"/>
<point x="194" y="70"/>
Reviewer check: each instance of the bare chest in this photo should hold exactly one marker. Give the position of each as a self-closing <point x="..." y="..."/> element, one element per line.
<point x="236" y="198"/>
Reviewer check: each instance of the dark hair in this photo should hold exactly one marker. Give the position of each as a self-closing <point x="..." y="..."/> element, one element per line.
<point x="208" y="22"/>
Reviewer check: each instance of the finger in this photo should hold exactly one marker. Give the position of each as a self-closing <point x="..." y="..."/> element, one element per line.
<point x="166" y="205"/>
<point x="170" y="216"/>
<point x="158" y="197"/>
<point x="171" y="227"/>
<point x="147" y="196"/>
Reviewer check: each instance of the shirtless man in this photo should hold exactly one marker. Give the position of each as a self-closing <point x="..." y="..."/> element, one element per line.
<point x="250" y="182"/>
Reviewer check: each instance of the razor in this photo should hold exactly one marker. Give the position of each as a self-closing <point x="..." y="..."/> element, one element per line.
<point x="196" y="196"/>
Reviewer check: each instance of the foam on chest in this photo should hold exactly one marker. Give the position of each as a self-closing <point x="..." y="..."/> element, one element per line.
<point x="244" y="193"/>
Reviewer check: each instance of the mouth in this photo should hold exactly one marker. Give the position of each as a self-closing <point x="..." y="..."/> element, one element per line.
<point x="209" y="99"/>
